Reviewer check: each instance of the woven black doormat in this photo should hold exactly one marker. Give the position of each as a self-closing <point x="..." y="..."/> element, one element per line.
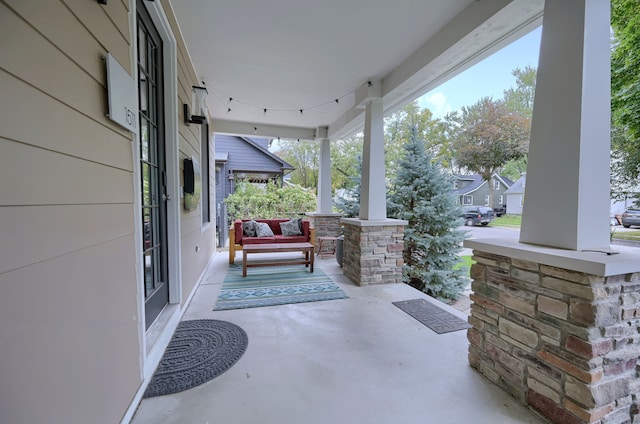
<point x="198" y="351"/>
<point x="432" y="315"/>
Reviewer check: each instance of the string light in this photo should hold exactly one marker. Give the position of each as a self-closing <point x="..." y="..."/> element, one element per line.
<point x="264" y="110"/>
<point x="260" y="132"/>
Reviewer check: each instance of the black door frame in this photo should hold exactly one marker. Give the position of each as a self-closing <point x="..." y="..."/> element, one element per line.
<point x="153" y="181"/>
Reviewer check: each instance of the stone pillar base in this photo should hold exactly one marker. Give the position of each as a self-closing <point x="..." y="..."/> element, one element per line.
<point x="326" y="224"/>
<point x="372" y="250"/>
<point x="558" y="329"/>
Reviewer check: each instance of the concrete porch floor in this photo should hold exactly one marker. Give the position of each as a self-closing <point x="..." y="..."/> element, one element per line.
<point x="359" y="360"/>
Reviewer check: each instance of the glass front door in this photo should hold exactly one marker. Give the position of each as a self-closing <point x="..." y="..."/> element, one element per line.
<point x="152" y="165"/>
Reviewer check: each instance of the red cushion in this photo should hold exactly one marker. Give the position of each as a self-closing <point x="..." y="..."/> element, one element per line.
<point x="258" y="240"/>
<point x="291" y="239"/>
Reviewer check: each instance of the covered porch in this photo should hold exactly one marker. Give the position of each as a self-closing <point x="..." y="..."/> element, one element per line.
<point x="359" y="359"/>
<point x="82" y="328"/>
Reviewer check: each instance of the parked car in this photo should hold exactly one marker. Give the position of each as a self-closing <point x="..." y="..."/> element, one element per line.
<point x="631" y="217"/>
<point x="474" y="215"/>
<point x="500" y="211"/>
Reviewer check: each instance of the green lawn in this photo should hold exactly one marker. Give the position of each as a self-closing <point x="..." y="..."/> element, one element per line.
<point x="465" y="261"/>
<point x="627" y="235"/>
<point x="512" y="221"/>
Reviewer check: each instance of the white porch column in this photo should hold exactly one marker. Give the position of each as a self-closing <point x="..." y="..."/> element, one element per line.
<point x="373" y="197"/>
<point x="324" y="203"/>
<point x="567" y="194"/>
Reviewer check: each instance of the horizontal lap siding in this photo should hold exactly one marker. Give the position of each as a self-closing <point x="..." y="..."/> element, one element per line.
<point x="68" y="306"/>
<point x="40" y="120"/>
<point x="41" y="233"/>
<point x="69" y="355"/>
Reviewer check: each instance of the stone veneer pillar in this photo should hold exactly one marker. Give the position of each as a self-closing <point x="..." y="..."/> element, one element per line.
<point x="326" y="224"/>
<point x="373" y="250"/>
<point x="558" y="330"/>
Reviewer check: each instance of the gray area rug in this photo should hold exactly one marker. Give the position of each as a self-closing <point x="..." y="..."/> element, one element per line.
<point x="432" y="316"/>
<point x="199" y="351"/>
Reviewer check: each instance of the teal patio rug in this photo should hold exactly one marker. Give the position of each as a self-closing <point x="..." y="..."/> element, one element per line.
<point x="277" y="285"/>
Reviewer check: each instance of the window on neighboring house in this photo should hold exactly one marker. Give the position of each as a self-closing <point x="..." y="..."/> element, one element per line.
<point x="455" y="184"/>
<point x="467" y="200"/>
<point x="496" y="184"/>
<point x="501" y="199"/>
<point x="521" y="200"/>
<point x="486" y="200"/>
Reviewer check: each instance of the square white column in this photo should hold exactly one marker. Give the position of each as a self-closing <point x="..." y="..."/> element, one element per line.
<point x="567" y="197"/>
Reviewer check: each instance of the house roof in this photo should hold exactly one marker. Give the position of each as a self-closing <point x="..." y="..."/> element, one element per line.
<point x="259" y="144"/>
<point x="477" y="182"/>
<point x="518" y="186"/>
<point x="222" y="156"/>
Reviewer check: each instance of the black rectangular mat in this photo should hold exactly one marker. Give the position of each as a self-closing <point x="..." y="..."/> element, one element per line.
<point x="432" y="315"/>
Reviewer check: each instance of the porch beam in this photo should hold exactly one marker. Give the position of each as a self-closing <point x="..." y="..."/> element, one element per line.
<point x="474" y="34"/>
<point x="251" y="129"/>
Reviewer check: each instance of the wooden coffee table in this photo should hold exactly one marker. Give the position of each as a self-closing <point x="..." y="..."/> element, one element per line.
<point x="306" y="248"/>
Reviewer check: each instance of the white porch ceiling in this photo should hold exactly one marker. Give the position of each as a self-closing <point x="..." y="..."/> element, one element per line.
<point x="286" y="55"/>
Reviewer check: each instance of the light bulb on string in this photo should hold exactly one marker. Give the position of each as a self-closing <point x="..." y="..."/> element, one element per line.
<point x="335" y="100"/>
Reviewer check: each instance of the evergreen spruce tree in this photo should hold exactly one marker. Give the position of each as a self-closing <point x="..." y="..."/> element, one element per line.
<point x="420" y="194"/>
<point x="349" y="205"/>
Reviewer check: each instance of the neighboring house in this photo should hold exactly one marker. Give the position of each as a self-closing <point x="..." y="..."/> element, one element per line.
<point x="515" y="199"/>
<point x="473" y="190"/>
<point x="242" y="158"/>
<point x="515" y="195"/>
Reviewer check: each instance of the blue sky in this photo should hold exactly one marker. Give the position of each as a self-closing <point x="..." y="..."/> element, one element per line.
<point x="488" y="78"/>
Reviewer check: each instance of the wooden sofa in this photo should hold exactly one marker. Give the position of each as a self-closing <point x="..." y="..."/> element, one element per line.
<point x="237" y="238"/>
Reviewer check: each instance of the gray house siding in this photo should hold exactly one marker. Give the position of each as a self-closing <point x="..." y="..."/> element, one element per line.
<point x="515" y="196"/>
<point x="241" y="157"/>
<point x="473" y="190"/>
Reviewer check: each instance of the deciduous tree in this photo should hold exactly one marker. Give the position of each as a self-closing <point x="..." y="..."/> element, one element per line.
<point x="304" y="157"/>
<point x="625" y="88"/>
<point x="488" y="136"/>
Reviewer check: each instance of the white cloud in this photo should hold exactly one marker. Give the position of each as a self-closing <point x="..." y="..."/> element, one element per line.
<point x="437" y="103"/>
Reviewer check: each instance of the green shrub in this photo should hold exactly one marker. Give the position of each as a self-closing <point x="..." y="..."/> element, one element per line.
<point x="251" y="201"/>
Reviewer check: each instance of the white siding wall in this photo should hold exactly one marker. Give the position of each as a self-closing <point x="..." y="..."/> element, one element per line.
<point x="69" y="320"/>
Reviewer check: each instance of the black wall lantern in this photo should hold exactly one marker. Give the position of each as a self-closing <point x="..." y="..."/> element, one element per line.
<point x="200" y="96"/>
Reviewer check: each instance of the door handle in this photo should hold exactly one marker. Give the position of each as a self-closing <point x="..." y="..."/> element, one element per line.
<point x="166" y="197"/>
